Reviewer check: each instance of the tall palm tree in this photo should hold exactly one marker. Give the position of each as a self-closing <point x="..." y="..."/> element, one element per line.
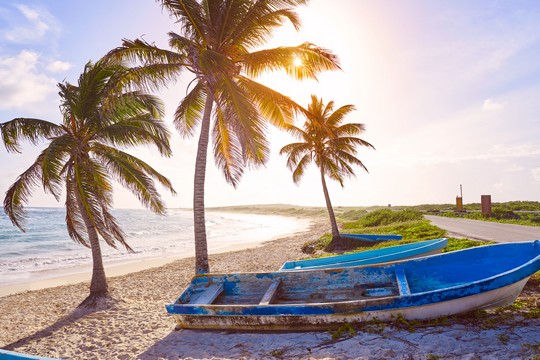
<point x="219" y="44"/>
<point x="99" y="114"/>
<point x="331" y="145"/>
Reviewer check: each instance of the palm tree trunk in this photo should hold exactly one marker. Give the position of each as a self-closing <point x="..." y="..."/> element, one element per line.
<point x="335" y="230"/>
<point x="98" y="283"/>
<point x="199" y="225"/>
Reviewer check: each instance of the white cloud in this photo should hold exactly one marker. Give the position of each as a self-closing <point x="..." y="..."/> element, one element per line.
<point x="58" y="66"/>
<point x="34" y="25"/>
<point x="536" y="174"/>
<point x="21" y="83"/>
<point x="492" y="105"/>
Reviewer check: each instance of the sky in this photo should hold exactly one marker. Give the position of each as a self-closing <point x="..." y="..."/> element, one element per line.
<point x="449" y="92"/>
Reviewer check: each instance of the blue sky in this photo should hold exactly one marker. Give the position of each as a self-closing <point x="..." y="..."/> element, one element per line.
<point x="449" y="92"/>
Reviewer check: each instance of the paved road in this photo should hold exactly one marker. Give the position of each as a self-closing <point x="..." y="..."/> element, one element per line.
<point x="485" y="230"/>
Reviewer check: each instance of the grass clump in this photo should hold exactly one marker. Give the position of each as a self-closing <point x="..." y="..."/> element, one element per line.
<point x="347" y="330"/>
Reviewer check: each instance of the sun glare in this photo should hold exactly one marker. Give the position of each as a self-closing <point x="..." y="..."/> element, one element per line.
<point x="297" y="62"/>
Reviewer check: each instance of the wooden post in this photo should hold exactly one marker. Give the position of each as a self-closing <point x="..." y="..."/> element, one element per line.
<point x="486" y="205"/>
<point x="459" y="203"/>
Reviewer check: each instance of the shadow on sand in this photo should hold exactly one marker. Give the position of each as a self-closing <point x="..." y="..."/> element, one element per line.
<point x="78" y="313"/>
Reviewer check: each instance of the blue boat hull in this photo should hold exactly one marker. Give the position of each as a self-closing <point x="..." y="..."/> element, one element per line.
<point x="12" y="355"/>
<point x="439" y="285"/>
<point x="363" y="258"/>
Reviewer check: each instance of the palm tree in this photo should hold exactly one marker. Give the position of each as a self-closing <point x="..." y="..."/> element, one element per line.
<point x="331" y="145"/>
<point x="216" y="45"/>
<point x="98" y="114"/>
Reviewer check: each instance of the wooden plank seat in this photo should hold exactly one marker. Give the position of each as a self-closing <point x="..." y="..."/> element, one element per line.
<point x="270" y="293"/>
<point x="402" y="283"/>
<point x="207" y="296"/>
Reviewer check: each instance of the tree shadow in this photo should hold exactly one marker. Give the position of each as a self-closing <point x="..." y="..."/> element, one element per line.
<point x="81" y="311"/>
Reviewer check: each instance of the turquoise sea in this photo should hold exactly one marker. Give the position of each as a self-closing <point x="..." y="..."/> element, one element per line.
<point x="45" y="249"/>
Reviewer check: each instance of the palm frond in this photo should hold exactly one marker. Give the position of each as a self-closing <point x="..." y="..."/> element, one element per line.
<point x="54" y="158"/>
<point x="190" y="15"/>
<point x="19" y="192"/>
<point x="254" y="22"/>
<point x="314" y="60"/>
<point x="152" y="68"/>
<point x="135" y="175"/>
<point x="244" y="120"/>
<point x="301" y="167"/>
<point x="335" y="118"/>
<point x="295" y="152"/>
<point x="76" y="228"/>
<point x="30" y="129"/>
<point x="227" y="150"/>
<point x="275" y="107"/>
<point x="189" y="112"/>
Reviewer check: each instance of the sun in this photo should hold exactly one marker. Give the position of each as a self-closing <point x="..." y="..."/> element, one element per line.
<point x="297" y="62"/>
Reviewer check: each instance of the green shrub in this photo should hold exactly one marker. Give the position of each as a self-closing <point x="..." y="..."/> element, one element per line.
<point x="386" y="217"/>
<point x="352" y="215"/>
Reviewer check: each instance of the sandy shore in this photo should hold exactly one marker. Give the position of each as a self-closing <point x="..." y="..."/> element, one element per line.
<point x="43" y="322"/>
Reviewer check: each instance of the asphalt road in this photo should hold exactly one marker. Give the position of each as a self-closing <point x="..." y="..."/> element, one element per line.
<point x="485" y="230"/>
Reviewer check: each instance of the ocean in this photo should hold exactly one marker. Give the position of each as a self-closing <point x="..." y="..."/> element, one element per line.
<point x="45" y="249"/>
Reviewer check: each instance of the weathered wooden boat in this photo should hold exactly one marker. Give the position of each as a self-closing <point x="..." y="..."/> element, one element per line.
<point x="12" y="355"/>
<point x="422" y="288"/>
<point x="373" y="237"/>
<point x="363" y="258"/>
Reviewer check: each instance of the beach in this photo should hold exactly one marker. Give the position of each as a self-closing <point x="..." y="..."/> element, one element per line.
<point x="44" y="322"/>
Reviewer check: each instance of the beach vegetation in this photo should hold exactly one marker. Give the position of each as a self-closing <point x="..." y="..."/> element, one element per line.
<point x="463" y="243"/>
<point x="277" y="353"/>
<point x="331" y="145"/>
<point x="219" y="43"/>
<point x="346" y="330"/>
<point x="386" y="217"/>
<point x="352" y="215"/>
<point x="100" y="114"/>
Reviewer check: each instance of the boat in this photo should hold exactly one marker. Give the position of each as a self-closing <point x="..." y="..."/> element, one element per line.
<point x="422" y="288"/>
<point x="12" y="355"/>
<point x="362" y="258"/>
<point x="373" y="237"/>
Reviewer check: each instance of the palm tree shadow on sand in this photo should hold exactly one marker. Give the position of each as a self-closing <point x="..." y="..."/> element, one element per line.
<point x="82" y="311"/>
